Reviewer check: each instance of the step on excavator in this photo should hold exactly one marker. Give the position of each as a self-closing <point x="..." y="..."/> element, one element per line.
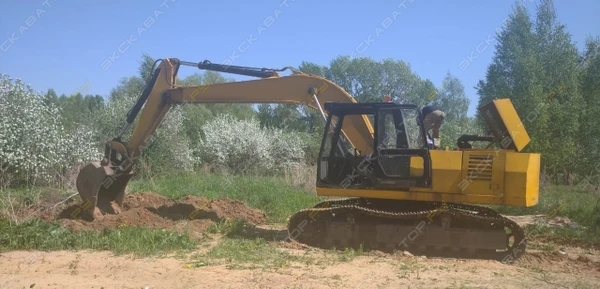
<point x="388" y="190"/>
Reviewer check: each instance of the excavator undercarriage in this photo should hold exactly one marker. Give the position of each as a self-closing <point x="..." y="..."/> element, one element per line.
<point x="397" y="193"/>
<point x="391" y="225"/>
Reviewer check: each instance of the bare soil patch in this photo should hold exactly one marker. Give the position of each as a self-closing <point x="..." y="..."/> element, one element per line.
<point x="191" y="213"/>
<point x="563" y="266"/>
<point x="83" y="269"/>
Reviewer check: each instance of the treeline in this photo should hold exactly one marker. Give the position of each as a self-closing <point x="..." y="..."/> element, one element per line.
<point x="233" y="137"/>
<point x="554" y="87"/>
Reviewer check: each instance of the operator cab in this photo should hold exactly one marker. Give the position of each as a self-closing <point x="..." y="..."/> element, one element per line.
<point x="399" y="139"/>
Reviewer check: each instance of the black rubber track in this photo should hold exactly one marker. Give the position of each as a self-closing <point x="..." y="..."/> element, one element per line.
<point x="313" y="221"/>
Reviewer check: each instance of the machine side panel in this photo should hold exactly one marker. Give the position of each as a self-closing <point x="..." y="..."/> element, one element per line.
<point x="522" y="179"/>
<point x="446" y="167"/>
<point x="495" y="177"/>
<point x="482" y="172"/>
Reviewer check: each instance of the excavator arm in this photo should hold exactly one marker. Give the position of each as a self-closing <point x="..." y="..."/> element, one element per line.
<point x="101" y="185"/>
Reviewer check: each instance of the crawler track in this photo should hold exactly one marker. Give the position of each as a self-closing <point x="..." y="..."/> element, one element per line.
<point x="390" y="225"/>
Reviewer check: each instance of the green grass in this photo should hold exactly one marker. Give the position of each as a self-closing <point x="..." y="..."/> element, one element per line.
<point x="567" y="236"/>
<point x="576" y="203"/>
<point x="29" y="195"/>
<point x="241" y="253"/>
<point x="272" y="195"/>
<point x="275" y="197"/>
<point x="50" y="236"/>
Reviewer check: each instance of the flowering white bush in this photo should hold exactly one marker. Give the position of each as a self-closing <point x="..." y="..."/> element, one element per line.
<point x="35" y="146"/>
<point x="82" y="145"/>
<point x="109" y="120"/>
<point x="287" y="149"/>
<point x="169" y="147"/>
<point x="242" y="146"/>
<point x="33" y="143"/>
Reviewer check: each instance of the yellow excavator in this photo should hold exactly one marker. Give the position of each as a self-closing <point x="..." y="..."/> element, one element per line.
<point x="398" y="193"/>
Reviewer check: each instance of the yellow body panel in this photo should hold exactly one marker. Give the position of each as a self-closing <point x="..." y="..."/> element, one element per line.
<point x="489" y="177"/>
<point x="522" y="179"/>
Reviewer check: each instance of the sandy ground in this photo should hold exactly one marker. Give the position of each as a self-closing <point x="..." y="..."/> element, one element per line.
<point x="21" y="269"/>
<point x="554" y="267"/>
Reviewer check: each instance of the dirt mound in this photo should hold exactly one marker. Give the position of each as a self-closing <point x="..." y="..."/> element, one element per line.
<point x="191" y="213"/>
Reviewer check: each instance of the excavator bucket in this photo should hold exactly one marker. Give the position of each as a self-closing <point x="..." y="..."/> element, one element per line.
<point x="102" y="188"/>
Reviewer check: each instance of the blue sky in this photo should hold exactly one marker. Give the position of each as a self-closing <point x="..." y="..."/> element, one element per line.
<point x="88" y="46"/>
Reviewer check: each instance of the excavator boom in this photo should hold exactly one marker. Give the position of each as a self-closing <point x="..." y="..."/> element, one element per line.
<point x="101" y="185"/>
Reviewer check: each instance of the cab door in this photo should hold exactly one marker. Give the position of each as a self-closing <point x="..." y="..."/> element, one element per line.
<point x="400" y="139"/>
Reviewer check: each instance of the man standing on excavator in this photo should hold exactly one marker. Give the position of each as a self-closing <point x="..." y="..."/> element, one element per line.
<point x="433" y="117"/>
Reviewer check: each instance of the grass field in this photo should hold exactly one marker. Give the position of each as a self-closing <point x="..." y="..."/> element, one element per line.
<point x="277" y="197"/>
<point x="36" y="252"/>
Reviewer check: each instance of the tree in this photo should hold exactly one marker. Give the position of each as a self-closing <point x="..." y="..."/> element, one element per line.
<point x="127" y="86"/>
<point x="368" y="80"/>
<point x="588" y="152"/>
<point x="452" y="98"/>
<point x="51" y="97"/>
<point x="145" y="68"/>
<point x="516" y="73"/>
<point x="538" y="67"/>
<point x="94" y="102"/>
<point x="364" y="78"/>
<point x="559" y="60"/>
